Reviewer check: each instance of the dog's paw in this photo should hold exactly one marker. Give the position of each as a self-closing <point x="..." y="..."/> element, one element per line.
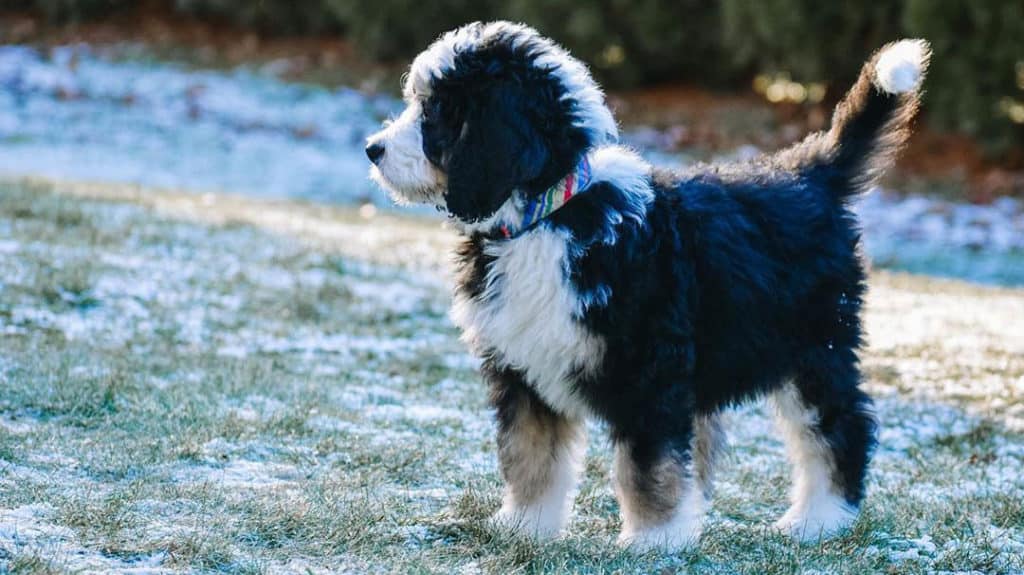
<point x="531" y="521"/>
<point x="816" y="522"/>
<point x="673" y="536"/>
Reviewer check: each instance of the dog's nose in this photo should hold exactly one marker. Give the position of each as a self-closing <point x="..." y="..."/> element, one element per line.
<point x="374" y="151"/>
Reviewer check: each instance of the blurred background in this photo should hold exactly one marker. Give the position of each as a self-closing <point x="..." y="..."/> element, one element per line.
<point x="275" y="97"/>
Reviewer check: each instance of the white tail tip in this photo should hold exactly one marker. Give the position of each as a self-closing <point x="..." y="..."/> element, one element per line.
<point x="901" y="66"/>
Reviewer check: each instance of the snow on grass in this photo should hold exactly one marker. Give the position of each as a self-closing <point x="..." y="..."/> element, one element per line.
<point x="27" y="531"/>
<point x="344" y="344"/>
<point x="982" y="243"/>
<point x="17" y="424"/>
<point x="215" y="384"/>
<point x="242" y="474"/>
<point x="70" y="113"/>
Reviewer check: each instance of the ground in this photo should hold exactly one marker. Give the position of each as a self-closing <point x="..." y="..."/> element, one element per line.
<point x="211" y="383"/>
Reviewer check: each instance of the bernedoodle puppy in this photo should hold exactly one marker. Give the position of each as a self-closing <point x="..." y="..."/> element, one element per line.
<point x="592" y="284"/>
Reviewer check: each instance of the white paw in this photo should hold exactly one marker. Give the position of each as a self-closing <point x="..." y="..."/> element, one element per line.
<point x="674" y="536"/>
<point x="531" y="521"/>
<point x="817" y="522"/>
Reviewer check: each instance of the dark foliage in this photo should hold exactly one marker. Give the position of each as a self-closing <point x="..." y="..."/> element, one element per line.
<point x="977" y="85"/>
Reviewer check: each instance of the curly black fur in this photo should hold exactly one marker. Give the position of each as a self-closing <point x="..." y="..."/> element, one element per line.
<point x="729" y="282"/>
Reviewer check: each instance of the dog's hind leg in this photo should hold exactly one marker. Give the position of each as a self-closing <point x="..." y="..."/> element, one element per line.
<point x="829" y="428"/>
<point x="659" y="494"/>
<point x="541" y="454"/>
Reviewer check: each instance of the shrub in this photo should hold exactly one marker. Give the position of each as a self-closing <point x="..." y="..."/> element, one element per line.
<point x="392" y="29"/>
<point x="811" y="40"/>
<point x="659" y="40"/>
<point x="72" y="10"/>
<point x="630" y="42"/>
<point x="976" y="83"/>
<point x="270" y="16"/>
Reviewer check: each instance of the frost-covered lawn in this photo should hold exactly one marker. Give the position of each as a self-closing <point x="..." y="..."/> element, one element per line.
<point x="195" y="382"/>
<point x="75" y="113"/>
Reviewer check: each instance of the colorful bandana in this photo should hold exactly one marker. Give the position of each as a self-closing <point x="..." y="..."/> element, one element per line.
<point x="545" y="204"/>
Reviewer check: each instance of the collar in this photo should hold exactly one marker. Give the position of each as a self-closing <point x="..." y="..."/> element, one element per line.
<point x="556" y="196"/>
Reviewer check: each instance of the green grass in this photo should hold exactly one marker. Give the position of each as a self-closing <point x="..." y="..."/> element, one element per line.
<point x="214" y="384"/>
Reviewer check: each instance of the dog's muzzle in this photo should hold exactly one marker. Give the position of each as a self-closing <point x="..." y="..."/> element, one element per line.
<point x="375" y="152"/>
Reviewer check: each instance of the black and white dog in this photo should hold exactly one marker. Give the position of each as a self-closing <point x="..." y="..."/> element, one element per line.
<point x="593" y="285"/>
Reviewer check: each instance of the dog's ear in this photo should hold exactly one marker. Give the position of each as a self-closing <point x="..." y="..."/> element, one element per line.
<point x="498" y="149"/>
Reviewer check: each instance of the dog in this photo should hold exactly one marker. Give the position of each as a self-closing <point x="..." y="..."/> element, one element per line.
<point x="593" y="285"/>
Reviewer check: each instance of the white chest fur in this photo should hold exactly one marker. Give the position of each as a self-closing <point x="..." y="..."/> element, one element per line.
<point x="527" y="316"/>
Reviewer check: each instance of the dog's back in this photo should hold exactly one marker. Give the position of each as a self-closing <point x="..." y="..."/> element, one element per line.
<point x="759" y="261"/>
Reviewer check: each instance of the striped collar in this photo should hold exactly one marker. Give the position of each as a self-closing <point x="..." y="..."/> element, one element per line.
<point x="556" y="196"/>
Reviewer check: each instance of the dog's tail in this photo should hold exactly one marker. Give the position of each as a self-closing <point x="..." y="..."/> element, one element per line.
<point x="869" y="126"/>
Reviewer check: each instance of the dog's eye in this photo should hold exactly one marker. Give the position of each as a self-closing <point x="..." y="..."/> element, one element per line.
<point x="431" y="111"/>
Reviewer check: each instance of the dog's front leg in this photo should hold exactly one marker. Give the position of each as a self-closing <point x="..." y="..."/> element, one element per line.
<point x="659" y="495"/>
<point x="541" y="453"/>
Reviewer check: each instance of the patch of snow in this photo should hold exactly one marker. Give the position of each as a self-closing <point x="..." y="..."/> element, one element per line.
<point x="922" y="426"/>
<point x="236" y="350"/>
<point x="424" y="493"/>
<point x="328" y="423"/>
<point x="339" y="565"/>
<point x="30" y="522"/>
<point x="242" y="474"/>
<point x="465" y="361"/>
<point x="74" y="115"/>
<point x="918" y="549"/>
<point x="417" y="413"/>
<point x="254" y="408"/>
<point x="344" y="344"/>
<point x="1009" y="541"/>
<point x="326" y="369"/>
<point x="19" y="425"/>
<point x="982" y="243"/>
<point x="28" y="530"/>
<point x="416" y="535"/>
<point x="396" y="296"/>
<point x="471" y="568"/>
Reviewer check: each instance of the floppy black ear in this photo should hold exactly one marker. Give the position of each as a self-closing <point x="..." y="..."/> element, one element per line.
<point x="498" y="149"/>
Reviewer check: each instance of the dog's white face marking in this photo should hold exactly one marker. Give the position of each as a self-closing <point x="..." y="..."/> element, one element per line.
<point x="404" y="170"/>
<point x="817" y="508"/>
<point x="528" y="316"/>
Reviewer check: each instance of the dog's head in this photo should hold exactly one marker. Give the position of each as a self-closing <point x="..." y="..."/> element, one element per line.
<point x="491" y="109"/>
